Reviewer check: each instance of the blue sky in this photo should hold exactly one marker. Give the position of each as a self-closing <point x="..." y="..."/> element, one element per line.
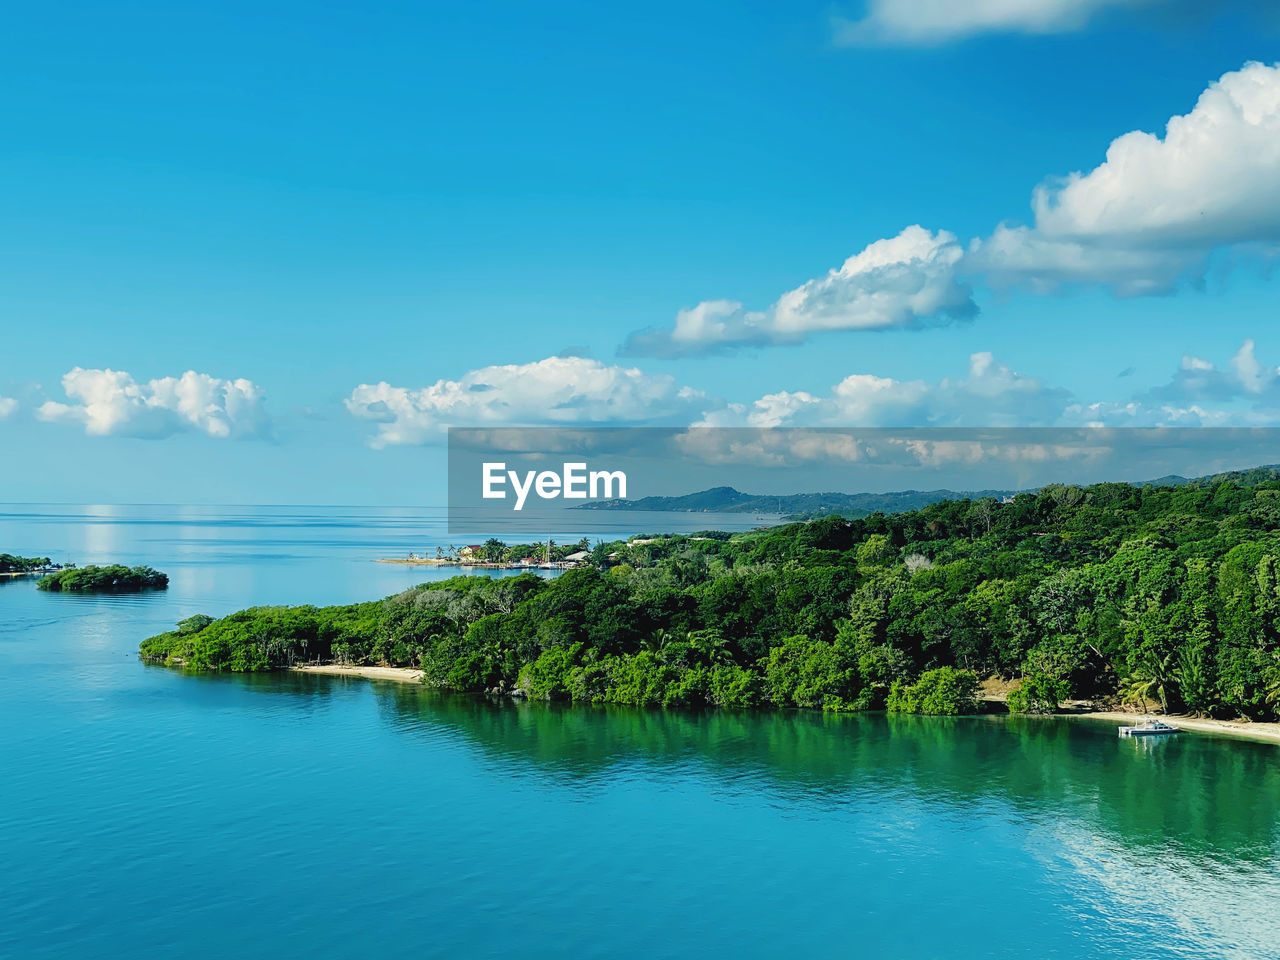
<point x="298" y="203"/>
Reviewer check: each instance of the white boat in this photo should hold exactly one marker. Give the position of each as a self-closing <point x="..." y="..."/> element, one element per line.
<point x="1148" y="728"/>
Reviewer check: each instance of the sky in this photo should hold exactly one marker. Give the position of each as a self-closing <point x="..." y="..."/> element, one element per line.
<point x="270" y="252"/>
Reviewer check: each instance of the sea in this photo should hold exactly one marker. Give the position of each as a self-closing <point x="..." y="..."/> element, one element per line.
<point x="149" y="813"/>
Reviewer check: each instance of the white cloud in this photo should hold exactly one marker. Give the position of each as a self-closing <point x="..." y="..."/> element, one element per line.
<point x="1200" y="380"/>
<point x="111" y="402"/>
<point x="1244" y="392"/>
<point x="904" y="281"/>
<point x="990" y="394"/>
<point x="929" y="22"/>
<point x="577" y="391"/>
<point x="1141" y="223"/>
<point x="557" y="390"/>
<point x="884" y="446"/>
<point x="1156" y="208"/>
<point x="1015" y="255"/>
<point x="7" y="406"/>
<point x="1211" y="179"/>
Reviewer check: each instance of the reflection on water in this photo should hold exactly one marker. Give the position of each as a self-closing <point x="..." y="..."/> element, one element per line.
<point x="1153" y="837"/>
<point x="1181" y="798"/>
<point x="1182" y="833"/>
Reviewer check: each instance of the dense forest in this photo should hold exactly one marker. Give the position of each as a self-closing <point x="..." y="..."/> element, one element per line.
<point x="1160" y="595"/>
<point x="11" y="564"/>
<point x="114" y="578"/>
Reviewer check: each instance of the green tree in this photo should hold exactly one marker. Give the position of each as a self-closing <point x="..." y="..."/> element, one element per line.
<point x="1037" y="693"/>
<point x="945" y="691"/>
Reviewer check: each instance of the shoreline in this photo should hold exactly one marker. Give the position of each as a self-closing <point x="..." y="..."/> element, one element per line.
<point x="399" y="674"/>
<point x="476" y="565"/>
<point x="420" y="561"/>
<point x="1244" y="729"/>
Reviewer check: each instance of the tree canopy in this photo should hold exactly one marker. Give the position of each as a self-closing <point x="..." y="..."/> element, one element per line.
<point x="1156" y="595"/>
<point x="114" y="578"/>
<point x="11" y="564"/>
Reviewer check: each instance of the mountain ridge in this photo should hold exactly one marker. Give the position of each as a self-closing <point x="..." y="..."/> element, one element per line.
<point x="726" y="499"/>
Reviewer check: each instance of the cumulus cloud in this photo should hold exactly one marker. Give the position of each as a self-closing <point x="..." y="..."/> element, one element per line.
<point x="577" y="391"/>
<point x="111" y="402"/>
<point x="887" y="447"/>
<point x="930" y="22"/>
<point x="869" y="418"/>
<point x="989" y="394"/>
<point x="7" y="406"/>
<point x="1141" y="223"/>
<point x="551" y="391"/>
<point x="1244" y="377"/>
<point x="903" y="281"/>
<point x="1244" y="392"/>
<point x="1156" y="208"/>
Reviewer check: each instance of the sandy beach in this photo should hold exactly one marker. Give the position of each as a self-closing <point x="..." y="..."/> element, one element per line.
<point x="401" y="674"/>
<point x="1269" y="732"/>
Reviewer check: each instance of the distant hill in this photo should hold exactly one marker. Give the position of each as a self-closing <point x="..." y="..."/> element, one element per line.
<point x="729" y="500"/>
<point x="808" y="505"/>
<point x="1246" y="478"/>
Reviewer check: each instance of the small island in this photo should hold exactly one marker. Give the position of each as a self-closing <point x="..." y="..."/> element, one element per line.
<point x="114" y="578"/>
<point x="11" y="566"/>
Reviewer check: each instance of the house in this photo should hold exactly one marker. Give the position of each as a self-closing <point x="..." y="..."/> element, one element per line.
<point x="578" y="557"/>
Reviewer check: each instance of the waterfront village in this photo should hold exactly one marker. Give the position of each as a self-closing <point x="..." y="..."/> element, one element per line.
<point x="494" y="554"/>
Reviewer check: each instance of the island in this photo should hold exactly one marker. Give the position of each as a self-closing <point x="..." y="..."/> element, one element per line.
<point x="114" y="578"/>
<point x="12" y="566"/>
<point x="1114" y="594"/>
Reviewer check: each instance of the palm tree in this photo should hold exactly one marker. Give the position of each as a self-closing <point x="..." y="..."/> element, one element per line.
<point x="1271" y="690"/>
<point x="710" y="646"/>
<point x="1194" y="678"/>
<point x="657" y="643"/>
<point x="1135" y="690"/>
<point x="1151" y="679"/>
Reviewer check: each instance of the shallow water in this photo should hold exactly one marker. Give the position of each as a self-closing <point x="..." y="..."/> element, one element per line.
<point x="146" y="813"/>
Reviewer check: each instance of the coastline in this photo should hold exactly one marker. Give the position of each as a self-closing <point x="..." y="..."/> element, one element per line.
<point x="475" y="564"/>
<point x="1244" y="729"/>
<point x="399" y="674"/>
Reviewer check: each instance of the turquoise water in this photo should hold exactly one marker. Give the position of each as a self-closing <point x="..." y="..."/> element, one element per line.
<point x="144" y="813"/>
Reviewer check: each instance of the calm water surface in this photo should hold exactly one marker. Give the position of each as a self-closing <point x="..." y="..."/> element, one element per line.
<point x="144" y="813"/>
